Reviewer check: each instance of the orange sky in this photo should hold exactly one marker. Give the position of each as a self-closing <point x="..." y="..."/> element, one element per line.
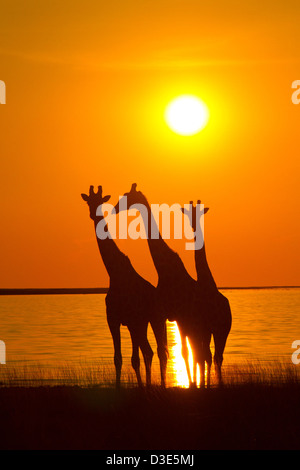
<point x="87" y="84"/>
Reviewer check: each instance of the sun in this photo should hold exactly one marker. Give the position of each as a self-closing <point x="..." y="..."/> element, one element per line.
<point x="186" y="115"/>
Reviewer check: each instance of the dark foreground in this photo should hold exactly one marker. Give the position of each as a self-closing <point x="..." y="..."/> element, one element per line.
<point x="237" y="417"/>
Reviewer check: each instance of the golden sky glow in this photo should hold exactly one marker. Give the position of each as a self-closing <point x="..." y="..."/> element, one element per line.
<point x="87" y="84"/>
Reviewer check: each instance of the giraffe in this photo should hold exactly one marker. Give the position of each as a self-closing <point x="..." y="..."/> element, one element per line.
<point x="177" y="290"/>
<point x="216" y="305"/>
<point x="130" y="301"/>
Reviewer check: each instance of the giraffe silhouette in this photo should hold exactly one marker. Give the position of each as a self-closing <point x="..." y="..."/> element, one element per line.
<point x="130" y="301"/>
<point x="216" y="305"/>
<point x="177" y="290"/>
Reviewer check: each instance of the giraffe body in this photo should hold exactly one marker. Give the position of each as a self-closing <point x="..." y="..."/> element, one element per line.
<point x="178" y="293"/>
<point x="130" y="301"/>
<point x="215" y="305"/>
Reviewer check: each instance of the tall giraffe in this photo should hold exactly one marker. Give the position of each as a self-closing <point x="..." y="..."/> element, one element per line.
<point x="130" y="301"/>
<point x="177" y="290"/>
<point x="217" y="308"/>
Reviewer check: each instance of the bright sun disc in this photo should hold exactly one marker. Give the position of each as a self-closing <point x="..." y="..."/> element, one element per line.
<point x="186" y="115"/>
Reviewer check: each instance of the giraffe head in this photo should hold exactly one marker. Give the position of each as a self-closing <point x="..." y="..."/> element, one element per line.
<point x="94" y="200"/>
<point x="132" y="197"/>
<point x="194" y="214"/>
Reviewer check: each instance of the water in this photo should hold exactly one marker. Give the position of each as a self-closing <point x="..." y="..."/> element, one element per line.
<point x="59" y="328"/>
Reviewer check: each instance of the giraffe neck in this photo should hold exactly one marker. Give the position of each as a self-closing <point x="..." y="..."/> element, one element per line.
<point x="167" y="262"/>
<point x="204" y="276"/>
<point x="114" y="260"/>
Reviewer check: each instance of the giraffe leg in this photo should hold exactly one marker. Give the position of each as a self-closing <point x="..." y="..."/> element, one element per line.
<point x="220" y="335"/>
<point x="185" y="355"/>
<point x="200" y="356"/>
<point x="208" y="359"/>
<point x="220" y="341"/>
<point x="160" y="332"/>
<point x="115" y="332"/>
<point x="147" y="353"/>
<point x="202" y="373"/>
<point x="195" y="373"/>
<point x="196" y="347"/>
<point x="218" y="367"/>
<point x="135" y="358"/>
<point x="197" y="360"/>
<point x="208" y="375"/>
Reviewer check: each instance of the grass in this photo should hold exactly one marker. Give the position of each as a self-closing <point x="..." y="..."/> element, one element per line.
<point x="83" y="374"/>
<point x="101" y="374"/>
<point x="77" y="407"/>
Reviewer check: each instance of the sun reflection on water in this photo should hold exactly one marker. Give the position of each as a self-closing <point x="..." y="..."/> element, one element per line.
<point x="176" y="362"/>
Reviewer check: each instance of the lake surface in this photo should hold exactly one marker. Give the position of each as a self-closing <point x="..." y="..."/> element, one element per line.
<point x="54" y="329"/>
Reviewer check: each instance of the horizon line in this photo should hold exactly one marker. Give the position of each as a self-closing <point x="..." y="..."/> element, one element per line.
<point x="104" y="290"/>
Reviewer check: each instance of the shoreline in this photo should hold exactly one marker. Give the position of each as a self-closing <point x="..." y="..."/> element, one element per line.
<point x="104" y="290"/>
